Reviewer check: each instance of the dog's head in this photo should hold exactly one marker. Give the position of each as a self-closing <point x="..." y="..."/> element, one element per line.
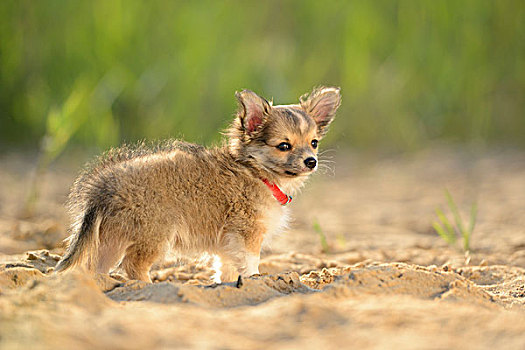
<point x="282" y="140"/>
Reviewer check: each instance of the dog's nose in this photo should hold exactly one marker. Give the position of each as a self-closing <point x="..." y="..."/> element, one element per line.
<point x="310" y="162"/>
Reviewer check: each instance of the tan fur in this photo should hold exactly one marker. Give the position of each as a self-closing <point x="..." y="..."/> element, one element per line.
<point x="135" y="203"/>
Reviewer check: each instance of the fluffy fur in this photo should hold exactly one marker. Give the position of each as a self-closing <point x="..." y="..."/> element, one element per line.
<point x="134" y="203"/>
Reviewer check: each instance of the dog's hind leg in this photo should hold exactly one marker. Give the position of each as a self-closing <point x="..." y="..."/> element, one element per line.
<point x="109" y="254"/>
<point x="139" y="258"/>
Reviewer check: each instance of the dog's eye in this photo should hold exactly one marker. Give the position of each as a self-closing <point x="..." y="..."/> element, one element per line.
<point x="314" y="143"/>
<point x="284" y="146"/>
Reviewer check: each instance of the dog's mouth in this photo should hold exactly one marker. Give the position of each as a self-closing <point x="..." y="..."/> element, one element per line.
<point x="302" y="172"/>
<point x="290" y="173"/>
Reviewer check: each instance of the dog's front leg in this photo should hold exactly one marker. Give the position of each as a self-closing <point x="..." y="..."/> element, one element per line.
<point x="252" y="264"/>
<point x="253" y="241"/>
<point x="241" y="250"/>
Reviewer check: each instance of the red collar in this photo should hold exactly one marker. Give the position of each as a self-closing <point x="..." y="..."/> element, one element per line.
<point x="277" y="193"/>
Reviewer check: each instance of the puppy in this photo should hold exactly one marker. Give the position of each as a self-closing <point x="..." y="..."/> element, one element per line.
<point x="135" y="203"/>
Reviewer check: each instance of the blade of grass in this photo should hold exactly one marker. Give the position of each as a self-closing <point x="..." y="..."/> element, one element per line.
<point x="455" y="212"/>
<point x="448" y="226"/>
<point x="443" y="233"/>
<point x="341" y="240"/>
<point x="322" y="237"/>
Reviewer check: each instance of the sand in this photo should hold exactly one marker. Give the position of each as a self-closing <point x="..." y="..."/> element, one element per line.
<point x="383" y="279"/>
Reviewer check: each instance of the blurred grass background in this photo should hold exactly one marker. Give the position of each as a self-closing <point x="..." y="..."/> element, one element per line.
<point x="412" y="72"/>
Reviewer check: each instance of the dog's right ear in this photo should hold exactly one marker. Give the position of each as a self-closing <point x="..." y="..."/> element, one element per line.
<point x="253" y="110"/>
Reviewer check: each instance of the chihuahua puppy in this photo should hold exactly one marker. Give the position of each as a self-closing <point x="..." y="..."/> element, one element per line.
<point x="135" y="203"/>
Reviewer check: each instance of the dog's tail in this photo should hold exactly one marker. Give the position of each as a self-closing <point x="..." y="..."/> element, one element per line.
<point x="83" y="244"/>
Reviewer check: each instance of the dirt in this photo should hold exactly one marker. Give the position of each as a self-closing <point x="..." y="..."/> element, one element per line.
<point x="382" y="279"/>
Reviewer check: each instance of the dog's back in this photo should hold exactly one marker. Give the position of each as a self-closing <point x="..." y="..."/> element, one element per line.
<point x="139" y="201"/>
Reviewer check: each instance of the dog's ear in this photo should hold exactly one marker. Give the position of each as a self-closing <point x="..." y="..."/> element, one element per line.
<point x="321" y="105"/>
<point x="253" y="110"/>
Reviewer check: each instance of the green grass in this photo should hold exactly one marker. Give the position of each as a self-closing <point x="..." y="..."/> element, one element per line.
<point x="410" y="71"/>
<point x="62" y="122"/>
<point x="60" y="127"/>
<point x="325" y="248"/>
<point x="450" y="231"/>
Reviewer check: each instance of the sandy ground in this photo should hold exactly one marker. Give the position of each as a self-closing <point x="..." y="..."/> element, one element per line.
<point x="383" y="279"/>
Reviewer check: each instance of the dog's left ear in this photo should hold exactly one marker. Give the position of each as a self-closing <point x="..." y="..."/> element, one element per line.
<point x="253" y="110"/>
<point x="321" y="105"/>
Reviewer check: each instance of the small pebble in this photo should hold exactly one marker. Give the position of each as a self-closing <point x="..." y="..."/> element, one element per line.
<point x="239" y="282"/>
<point x="32" y="256"/>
